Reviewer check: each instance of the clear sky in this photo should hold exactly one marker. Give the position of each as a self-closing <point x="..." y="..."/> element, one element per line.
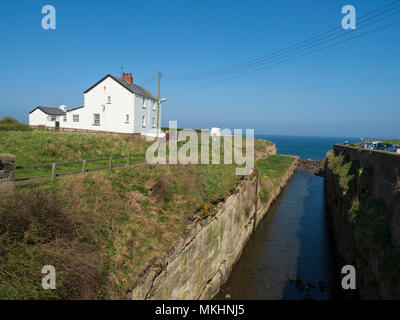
<point x="351" y="89"/>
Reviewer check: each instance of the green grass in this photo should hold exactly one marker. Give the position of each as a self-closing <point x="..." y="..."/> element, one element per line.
<point x="107" y="225"/>
<point x="346" y="169"/>
<point x="274" y="167"/>
<point x="11" y="124"/>
<point x="40" y="147"/>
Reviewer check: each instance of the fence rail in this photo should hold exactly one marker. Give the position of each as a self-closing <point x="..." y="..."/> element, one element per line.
<point x="84" y="169"/>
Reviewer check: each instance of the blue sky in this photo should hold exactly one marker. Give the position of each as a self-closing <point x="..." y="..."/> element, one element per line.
<point x="352" y="89"/>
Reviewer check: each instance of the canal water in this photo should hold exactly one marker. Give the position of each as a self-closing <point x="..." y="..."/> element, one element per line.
<point x="291" y="255"/>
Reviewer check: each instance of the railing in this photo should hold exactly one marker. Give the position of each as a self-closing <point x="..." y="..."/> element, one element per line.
<point x="84" y="169"/>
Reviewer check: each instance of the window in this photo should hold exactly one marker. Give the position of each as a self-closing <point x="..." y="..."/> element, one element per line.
<point x="96" y="119"/>
<point x="109" y="99"/>
<point x="65" y="118"/>
<point x="154" y="106"/>
<point x="53" y="118"/>
<point x="75" y="118"/>
<point x="127" y="118"/>
<point x="144" y="103"/>
<point x="143" y="121"/>
<point x="154" y="122"/>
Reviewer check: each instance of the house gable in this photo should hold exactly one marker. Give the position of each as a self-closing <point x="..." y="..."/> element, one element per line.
<point x="133" y="88"/>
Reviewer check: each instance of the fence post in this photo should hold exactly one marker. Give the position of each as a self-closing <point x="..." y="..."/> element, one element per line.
<point x="110" y="163"/>
<point x="129" y="160"/>
<point x="84" y="166"/>
<point x="7" y="168"/>
<point x="53" y="173"/>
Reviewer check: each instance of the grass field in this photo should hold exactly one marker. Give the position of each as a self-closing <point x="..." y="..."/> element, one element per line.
<point x="100" y="230"/>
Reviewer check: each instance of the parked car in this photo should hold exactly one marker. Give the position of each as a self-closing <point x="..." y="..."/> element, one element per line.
<point x="383" y="146"/>
<point x="367" y="145"/>
<point x="396" y="148"/>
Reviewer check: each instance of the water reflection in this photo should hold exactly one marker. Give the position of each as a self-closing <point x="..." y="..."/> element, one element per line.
<point x="291" y="255"/>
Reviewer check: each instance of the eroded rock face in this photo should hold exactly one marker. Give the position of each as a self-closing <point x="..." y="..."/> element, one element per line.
<point x="366" y="226"/>
<point x="202" y="262"/>
<point x="316" y="167"/>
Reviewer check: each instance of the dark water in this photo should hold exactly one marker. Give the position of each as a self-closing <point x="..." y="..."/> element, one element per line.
<point x="294" y="238"/>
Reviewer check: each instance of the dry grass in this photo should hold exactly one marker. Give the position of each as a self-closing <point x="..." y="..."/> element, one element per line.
<point x="102" y="230"/>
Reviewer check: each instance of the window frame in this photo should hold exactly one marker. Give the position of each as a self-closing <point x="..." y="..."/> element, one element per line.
<point x="96" y="122"/>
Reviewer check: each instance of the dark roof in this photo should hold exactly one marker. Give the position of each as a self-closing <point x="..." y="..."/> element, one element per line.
<point x="51" y="111"/>
<point x="130" y="87"/>
<point x="75" y="109"/>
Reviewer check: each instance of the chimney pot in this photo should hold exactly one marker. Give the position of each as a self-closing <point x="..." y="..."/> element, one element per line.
<point x="127" y="77"/>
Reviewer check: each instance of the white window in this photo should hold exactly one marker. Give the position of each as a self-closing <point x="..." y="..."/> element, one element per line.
<point x="96" y="119"/>
<point x="53" y="118"/>
<point x="144" y="103"/>
<point x="154" y="106"/>
<point x="127" y="118"/>
<point x="154" y="122"/>
<point x="75" y="118"/>
<point x="65" y="118"/>
<point x="109" y="99"/>
<point x="143" y="121"/>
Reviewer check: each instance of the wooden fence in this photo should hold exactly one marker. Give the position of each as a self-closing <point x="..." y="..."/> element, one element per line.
<point x="84" y="169"/>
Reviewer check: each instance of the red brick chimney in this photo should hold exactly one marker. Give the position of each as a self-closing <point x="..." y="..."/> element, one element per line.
<point x="127" y="77"/>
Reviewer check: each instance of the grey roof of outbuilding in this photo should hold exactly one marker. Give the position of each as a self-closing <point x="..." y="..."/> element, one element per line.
<point x="134" y="88"/>
<point x="51" y="111"/>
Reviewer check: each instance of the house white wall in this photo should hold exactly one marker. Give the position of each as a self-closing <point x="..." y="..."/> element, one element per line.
<point x="112" y="114"/>
<point x="119" y="109"/>
<point x="148" y="112"/>
<point x="39" y="118"/>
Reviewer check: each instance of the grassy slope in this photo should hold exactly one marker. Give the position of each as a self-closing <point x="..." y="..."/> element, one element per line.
<point x="40" y="146"/>
<point x="101" y="230"/>
<point x="11" y="124"/>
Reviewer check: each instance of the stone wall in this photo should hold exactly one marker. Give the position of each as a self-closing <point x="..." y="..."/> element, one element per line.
<point x="7" y="167"/>
<point x="269" y="151"/>
<point x="385" y="169"/>
<point x="202" y="262"/>
<point x="363" y="201"/>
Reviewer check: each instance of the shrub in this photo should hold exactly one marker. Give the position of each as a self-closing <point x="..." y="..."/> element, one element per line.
<point x="11" y="124"/>
<point x="162" y="189"/>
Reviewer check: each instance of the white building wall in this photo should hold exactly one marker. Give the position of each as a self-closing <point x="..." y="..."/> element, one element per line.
<point x="148" y="113"/>
<point x="39" y="118"/>
<point x="112" y="115"/>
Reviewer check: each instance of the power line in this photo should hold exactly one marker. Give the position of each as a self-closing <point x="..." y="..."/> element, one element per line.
<point x="297" y="50"/>
<point x="293" y="58"/>
<point x="303" y="44"/>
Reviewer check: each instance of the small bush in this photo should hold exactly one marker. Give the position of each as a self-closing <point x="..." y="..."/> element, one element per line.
<point x="162" y="189"/>
<point x="11" y="124"/>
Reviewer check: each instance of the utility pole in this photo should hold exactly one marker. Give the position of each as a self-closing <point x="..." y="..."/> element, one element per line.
<point x="158" y="106"/>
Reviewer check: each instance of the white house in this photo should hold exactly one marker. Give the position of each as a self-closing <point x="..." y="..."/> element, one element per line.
<point x="215" y="131"/>
<point x="111" y="105"/>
